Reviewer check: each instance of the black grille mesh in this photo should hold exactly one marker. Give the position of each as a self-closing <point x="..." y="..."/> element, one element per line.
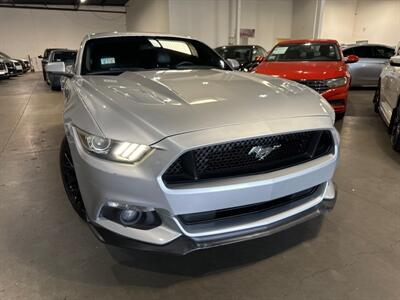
<point x="317" y="85"/>
<point x="234" y="158"/>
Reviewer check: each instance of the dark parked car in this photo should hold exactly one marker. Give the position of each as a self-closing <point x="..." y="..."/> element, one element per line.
<point x="26" y="65"/>
<point x="44" y="59"/>
<point x="248" y="56"/>
<point x="19" y="63"/>
<point x="12" y="70"/>
<point x="372" y="59"/>
<point x="59" y="56"/>
<point x="3" y="70"/>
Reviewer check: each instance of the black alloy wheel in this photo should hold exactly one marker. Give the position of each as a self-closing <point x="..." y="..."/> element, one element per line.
<point x="395" y="134"/>
<point x="69" y="179"/>
<point x="377" y="97"/>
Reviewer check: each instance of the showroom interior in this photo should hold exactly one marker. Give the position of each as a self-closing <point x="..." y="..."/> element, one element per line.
<point x="175" y="149"/>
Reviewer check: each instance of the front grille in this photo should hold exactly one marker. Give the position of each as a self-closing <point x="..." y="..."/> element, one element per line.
<point x="317" y="85"/>
<point x="2" y="66"/>
<point x="242" y="211"/>
<point x="247" y="157"/>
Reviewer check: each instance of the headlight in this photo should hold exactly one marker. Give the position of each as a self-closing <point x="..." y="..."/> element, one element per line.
<point x="336" y="82"/>
<point x="111" y="149"/>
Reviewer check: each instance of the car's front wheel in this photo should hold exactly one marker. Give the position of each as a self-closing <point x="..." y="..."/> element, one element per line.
<point x="396" y="137"/>
<point x="54" y="86"/>
<point x="69" y="179"/>
<point x="377" y="98"/>
<point x="395" y="129"/>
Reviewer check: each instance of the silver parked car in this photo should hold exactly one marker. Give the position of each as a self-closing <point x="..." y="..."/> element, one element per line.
<point x="60" y="55"/>
<point x="372" y="59"/>
<point x="167" y="149"/>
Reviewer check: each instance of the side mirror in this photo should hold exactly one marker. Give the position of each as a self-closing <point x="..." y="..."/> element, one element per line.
<point x="351" y="59"/>
<point x="58" y="68"/>
<point x="233" y="63"/>
<point x="395" y="61"/>
<point x="41" y="57"/>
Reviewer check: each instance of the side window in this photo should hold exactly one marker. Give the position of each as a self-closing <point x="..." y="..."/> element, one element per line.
<point x="383" y="52"/>
<point x="348" y="52"/>
<point x="363" y="51"/>
<point x="262" y="52"/>
<point x="257" y="52"/>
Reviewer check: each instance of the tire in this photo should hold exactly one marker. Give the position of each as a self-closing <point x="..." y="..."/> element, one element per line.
<point x="70" y="181"/>
<point x="54" y="87"/>
<point x="395" y="129"/>
<point x="377" y="98"/>
<point x="339" y="116"/>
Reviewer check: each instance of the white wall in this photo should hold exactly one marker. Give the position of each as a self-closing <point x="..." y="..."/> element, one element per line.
<point x="212" y="21"/>
<point x="352" y="20"/>
<point x="377" y="21"/>
<point x="147" y="16"/>
<point x="338" y="20"/>
<point x="30" y="31"/>
<point x="206" y="20"/>
<point x="303" y="18"/>
<point x="272" y="20"/>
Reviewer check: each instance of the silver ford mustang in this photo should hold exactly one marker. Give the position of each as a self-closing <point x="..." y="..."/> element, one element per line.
<point x="167" y="149"/>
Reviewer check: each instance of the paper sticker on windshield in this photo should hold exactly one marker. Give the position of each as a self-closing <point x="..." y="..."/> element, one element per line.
<point x="107" y="60"/>
<point x="279" y="50"/>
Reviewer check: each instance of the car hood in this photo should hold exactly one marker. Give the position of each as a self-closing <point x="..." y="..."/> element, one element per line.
<point x="151" y="105"/>
<point x="303" y="70"/>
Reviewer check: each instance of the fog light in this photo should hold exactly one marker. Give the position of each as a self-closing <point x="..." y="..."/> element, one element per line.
<point x="129" y="216"/>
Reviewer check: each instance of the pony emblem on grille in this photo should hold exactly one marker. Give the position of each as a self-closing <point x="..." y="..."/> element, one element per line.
<point x="261" y="152"/>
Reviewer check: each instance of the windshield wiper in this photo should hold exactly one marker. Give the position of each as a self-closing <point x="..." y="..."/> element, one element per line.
<point x="115" y="71"/>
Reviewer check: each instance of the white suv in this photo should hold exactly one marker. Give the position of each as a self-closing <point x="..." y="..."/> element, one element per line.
<point x="387" y="99"/>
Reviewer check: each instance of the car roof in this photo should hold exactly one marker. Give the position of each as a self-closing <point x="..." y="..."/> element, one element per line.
<point x="63" y="50"/>
<point x="52" y="49"/>
<point x="305" y="41"/>
<point x="238" y="46"/>
<point x="365" y="45"/>
<point x="123" y="34"/>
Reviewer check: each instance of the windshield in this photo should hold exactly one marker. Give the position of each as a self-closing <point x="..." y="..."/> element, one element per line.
<point x="241" y="54"/>
<point x="305" y="52"/>
<point x="65" y="56"/>
<point x="116" y="55"/>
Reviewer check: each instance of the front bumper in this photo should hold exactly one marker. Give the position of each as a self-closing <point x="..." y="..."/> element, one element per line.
<point x="337" y="98"/>
<point x="101" y="181"/>
<point x="184" y="245"/>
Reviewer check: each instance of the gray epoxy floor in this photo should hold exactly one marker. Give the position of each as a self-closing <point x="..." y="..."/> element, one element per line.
<point x="46" y="252"/>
